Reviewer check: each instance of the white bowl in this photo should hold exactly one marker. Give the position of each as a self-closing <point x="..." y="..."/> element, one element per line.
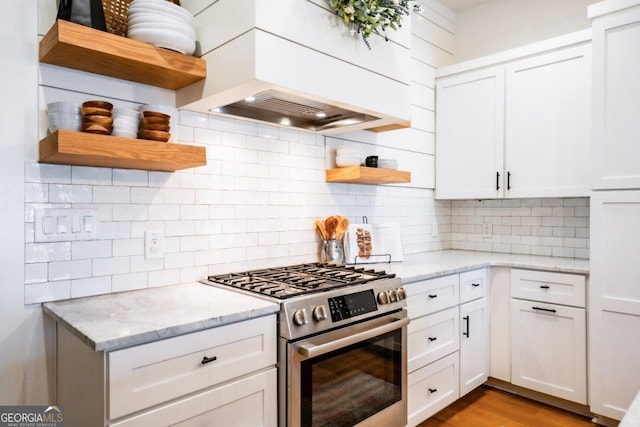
<point x="161" y="6"/>
<point x="161" y="21"/>
<point x="124" y="134"/>
<point x="346" y="151"/>
<point x="64" y="107"/>
<point x="387" y="164"/>
<point x="165" y="38"/>
<point x="126" y="112"/>
<point x="177" y="27"/>
<point x="345" y="161"/>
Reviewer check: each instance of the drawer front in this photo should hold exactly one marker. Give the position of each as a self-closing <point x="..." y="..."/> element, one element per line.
<point x="221" y="406"/>
<point x="149" y="374"/>
<point x="432" y="388"/>
<point x="429" y="296"/>
<point x="545" y="286"/>
<point x="432" y="337"/>
<point x="473" y="285"/>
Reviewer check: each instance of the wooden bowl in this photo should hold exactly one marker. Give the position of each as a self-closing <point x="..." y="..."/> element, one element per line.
<point x="157" y="126"/>
<point x="96" y="128"/>
<point x="98" y="104"/>
<point x="156" y="135"/>
<point x="156" y="114"/>
<point x="101" y="120"/>
<point x="95" y="111"/>
<point x="154" y="121"/>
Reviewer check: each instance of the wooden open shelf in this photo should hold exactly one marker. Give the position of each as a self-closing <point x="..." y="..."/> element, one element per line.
<point x="82" y="48"/>
<point x="387" y="128"/>
<point x="86" y="149"/>
<point x="364" y="175"/>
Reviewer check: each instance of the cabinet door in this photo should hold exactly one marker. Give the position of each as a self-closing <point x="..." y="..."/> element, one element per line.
<point x="548" y="349"/>
<point x="469" y="135"/>
<point x="474" y="343"/>
<point x="614" y="301"/>
<point x="547" y="124"/>
<point x="432" y="388"/>
<point x="616" y="101"/>
<point x="250" y="401"/>
<point x="432" y="337"/>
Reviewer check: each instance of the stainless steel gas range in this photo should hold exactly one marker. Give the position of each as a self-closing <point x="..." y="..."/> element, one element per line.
<point x="342" y="357"/>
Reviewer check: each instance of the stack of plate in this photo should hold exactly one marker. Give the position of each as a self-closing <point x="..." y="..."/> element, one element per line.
<point x="64" y="115"/>
<point x="97" y="117"/>
<point x="163" y="24"/>
<point x="125" y="123"/>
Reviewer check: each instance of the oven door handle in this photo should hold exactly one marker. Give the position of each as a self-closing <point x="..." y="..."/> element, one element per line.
<point x="310" y="350"/>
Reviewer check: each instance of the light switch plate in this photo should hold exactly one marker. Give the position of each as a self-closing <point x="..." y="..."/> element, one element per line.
<point x="63" y="225"/>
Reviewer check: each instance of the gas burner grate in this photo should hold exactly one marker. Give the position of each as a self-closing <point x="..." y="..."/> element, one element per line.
<point x="290" y="281"/>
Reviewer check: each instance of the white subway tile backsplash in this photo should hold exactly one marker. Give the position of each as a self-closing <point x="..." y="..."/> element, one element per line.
<point x="91" y="176"/>
<point x="125" y="247"/>
<point x="65" y="270"/>
<point x="90" y="286"/>
<point x="131" y="177"/>
<point x="129" y="282"/>
<point x="43" y="292"/>
<point x="193" y="119"/>
<point x="164" y="277"/>
<point x="147" y="196"/>
<point x="47" y="252"/>
<point x="110" y="266"/>
<point x="63" y="193"/>
<point x="51" y="174"/>
<point x="88" y="249"/>
<point x="36" y="273"/>
<point x="114" y="194"/>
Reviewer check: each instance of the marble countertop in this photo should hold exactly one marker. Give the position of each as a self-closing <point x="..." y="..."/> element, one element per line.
<point x="113" y="321"/>
<point x="428" y="265"/>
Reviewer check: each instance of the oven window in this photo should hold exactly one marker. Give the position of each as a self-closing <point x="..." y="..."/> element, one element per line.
<point x="347" y="386"/>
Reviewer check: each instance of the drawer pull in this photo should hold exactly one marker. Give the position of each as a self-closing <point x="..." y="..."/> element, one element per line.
<point x="544" y="286"/>
<point x="433" y="338"/>
<point x="432" y="390"/>
<point x="466" y="320"/>
<point x="206" y="359"/>
<point x="550" y="310"/>
<point x="475" y="285"/>
<point x="432" y="296"/>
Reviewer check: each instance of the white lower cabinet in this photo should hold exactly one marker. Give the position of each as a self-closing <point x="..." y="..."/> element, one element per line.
<point x="219" y="376"/>
<point x="474" y="342"/>
<point x="548" y="340"/>
<point x="447" y="341"/>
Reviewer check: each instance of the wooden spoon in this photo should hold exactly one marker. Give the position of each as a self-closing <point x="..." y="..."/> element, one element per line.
<point x="330" y="225"/>
<point x="343" y="226"/>
<point x="321" y="229"/>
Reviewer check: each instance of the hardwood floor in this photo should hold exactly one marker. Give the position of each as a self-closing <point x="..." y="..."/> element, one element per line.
<point x="489" y="407"/>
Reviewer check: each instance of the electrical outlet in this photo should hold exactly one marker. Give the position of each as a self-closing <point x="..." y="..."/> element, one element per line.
<point x="487" y="229"/>
<point x="153" y="244"/>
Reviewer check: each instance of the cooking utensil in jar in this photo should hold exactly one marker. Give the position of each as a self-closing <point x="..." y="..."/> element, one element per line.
<point x="343" y="226"/>
<point x="321" y="229"/>
<point x="330" y="225"/>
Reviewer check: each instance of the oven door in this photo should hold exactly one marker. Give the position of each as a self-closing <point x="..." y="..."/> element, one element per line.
<point x="356" y="375"/>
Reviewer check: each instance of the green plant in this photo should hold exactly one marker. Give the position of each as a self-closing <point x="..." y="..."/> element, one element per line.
<point x="371" y="16"/>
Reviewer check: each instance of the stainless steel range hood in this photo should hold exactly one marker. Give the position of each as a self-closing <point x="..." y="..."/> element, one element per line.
<point x="293" y="63"/>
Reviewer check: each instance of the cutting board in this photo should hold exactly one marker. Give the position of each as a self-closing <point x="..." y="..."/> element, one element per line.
<point x="371" y="243"/>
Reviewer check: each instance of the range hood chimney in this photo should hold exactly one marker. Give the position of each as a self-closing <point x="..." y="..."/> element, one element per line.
<point x="294" y="63"/>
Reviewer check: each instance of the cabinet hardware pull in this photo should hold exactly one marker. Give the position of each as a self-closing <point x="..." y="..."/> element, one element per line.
<point x="432" y="390"/>
<point x="497" y="181"/>
<point x="508" y="180"/>
<point x="475" y="285"/>
<point x="466" y="320"/>
<point x="433" y="296"/>
<point x="433" y="338"/>
<point x="550" y="310"/>
<point x="544" y="286"/>
<point x="206" y="359"/>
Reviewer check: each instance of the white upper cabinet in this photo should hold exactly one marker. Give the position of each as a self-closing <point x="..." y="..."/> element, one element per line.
<point x="469" y="134"/>
<point x="616" y="101"/>
<point x="547" y="130"/>
<point x="519" y="129"/>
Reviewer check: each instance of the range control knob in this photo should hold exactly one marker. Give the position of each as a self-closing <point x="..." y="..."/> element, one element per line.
<point x="383" y="297"/>
<point x="300" y="317"/>
<point x="401" y="294"/>
<point x="393" y="295"/>
<point x="320" y="313"/>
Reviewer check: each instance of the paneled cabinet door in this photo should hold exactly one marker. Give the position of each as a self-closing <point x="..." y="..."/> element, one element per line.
<point x="547" y="124"/>
<point x="614" y="302"/>
<point x="616" y="101"/>
<point x="469" y="135"/>
<point x="548" y="349"/>
<point x="474" y="343"/>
